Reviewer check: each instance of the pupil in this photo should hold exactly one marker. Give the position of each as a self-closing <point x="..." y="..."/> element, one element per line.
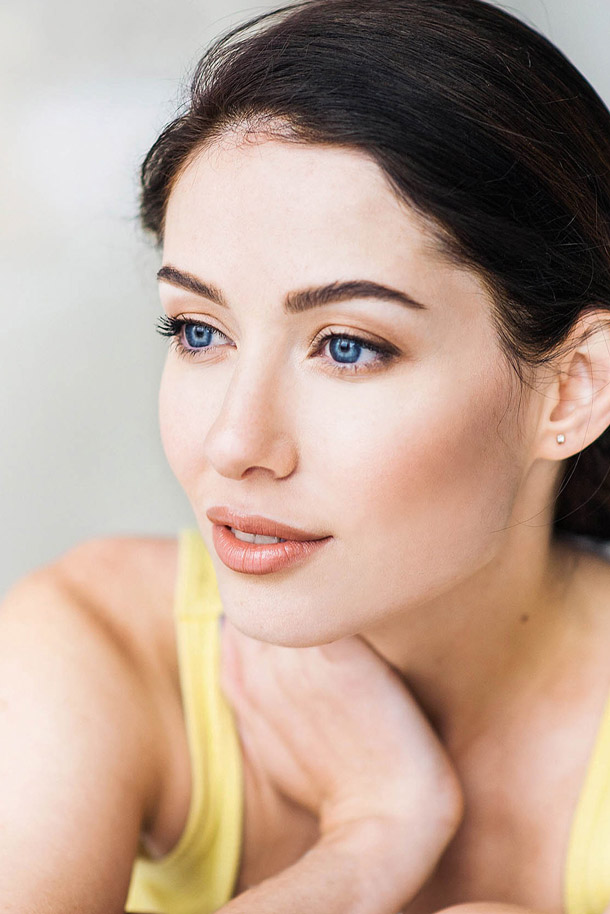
<point x="343" y="347"/>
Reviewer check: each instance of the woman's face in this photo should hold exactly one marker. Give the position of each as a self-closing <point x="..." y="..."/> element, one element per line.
<point x="410" y="462"/>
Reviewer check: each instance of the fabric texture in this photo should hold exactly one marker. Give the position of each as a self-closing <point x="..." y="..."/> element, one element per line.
<point x="198" y="875"/>
<point x="587" y="872"/>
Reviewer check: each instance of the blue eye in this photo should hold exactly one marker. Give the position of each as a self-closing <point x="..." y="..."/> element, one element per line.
<point x="345" y="349"/>
<point x="198" y="335"/>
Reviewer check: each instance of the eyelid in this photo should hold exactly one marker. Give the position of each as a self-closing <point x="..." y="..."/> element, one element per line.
<point x="350" y="333"/>
<point x="171" y="326"/>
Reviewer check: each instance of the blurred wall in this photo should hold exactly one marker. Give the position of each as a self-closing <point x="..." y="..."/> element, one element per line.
<point x="84" y="90"/>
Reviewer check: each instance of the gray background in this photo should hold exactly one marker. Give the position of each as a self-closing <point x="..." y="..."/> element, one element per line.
<point x="85" y="89"/>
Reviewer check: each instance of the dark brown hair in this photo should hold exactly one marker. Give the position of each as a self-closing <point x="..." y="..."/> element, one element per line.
<point x="477" y="121"/>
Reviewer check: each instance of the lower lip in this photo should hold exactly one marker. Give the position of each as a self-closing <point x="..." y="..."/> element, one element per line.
<point x="261" y="558"/>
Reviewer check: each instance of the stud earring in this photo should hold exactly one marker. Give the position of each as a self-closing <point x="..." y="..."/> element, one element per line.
<point x="561" y="439"/>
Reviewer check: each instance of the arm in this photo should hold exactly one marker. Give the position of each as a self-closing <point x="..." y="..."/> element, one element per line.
<point x="335" y="731"/>
<point x="357" y="870"/>
<point x="77" y="767"/>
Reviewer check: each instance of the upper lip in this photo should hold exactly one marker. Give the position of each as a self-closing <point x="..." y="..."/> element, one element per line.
<point x="254" y="523"/>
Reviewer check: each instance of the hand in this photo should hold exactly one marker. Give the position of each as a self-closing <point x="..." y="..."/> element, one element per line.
<point x="335" y="729"/>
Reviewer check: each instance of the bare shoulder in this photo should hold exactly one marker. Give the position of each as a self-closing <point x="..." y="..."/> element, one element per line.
<point x="74" y="683"/>
<point x="107" y="565"/>
<point x="117" y="592"/>
<point x="127" y="583"/>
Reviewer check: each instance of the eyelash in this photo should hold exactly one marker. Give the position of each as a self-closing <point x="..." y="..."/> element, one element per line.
<point x="172" y="327"/>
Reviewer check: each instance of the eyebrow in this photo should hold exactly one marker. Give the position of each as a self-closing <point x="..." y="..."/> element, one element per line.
<point x="302" y="300"/>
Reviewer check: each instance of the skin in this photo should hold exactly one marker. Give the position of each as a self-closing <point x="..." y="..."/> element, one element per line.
<point x="436" y="769"/>
<point x="260" y="424"/>
<point x="434" y="477"/>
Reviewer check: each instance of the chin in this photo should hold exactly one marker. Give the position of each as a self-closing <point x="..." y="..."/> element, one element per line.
<point x="280" y="628"/>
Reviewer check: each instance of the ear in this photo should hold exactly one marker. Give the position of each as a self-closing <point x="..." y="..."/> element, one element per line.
<point x="577" y="400"/>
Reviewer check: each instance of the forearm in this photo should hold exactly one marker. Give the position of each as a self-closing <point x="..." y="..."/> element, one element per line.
<point x="319" y="886"/>
<point x="355" y="873"/>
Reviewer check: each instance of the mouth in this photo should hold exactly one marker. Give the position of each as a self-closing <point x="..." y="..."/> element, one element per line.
<point x="254" y="528"/>
<point x="256" y="554"/>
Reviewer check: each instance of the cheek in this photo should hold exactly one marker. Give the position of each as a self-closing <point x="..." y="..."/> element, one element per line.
<point x="425" y="476"/>
<point x="184" y="417"/>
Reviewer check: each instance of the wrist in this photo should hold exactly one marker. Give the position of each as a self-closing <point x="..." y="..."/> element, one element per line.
<point x="400" y="838"/>
<point x="390" y="862"/>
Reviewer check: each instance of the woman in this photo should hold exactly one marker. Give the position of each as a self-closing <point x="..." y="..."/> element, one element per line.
<point x="386" y="276"/>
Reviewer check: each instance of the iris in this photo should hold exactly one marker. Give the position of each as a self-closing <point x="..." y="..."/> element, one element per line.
<point x="340" y="347"/>
<point x="197" y="335"/>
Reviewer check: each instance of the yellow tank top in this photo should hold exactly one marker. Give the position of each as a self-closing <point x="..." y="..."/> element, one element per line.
<point x="198" y="876"/>
<point x="587" y="872"/>
<point x="199" y="873"/>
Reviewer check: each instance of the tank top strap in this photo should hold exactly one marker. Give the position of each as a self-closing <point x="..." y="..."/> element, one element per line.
<point x="215" y="809"/>
<point x="587" y="871"/>
<point x="198" y="875"/>
<point x="196" y="589"/>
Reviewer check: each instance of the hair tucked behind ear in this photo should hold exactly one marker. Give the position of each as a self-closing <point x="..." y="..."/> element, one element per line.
<point x="478" y="122"/>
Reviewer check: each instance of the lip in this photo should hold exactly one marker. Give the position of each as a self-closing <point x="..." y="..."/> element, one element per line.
<point x="262" y="558"/>
<point x="255" y="523"/>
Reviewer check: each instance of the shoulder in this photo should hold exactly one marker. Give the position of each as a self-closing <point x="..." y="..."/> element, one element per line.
<point x="104" y="568"/>
<point x="126" y="584"/>
<point x="119" y="590"/>
<point x="75" y="684"/>
<point x="105" y="605"/>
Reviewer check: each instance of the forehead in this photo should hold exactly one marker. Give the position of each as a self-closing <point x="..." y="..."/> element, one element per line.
<point x="295" y="200"/>
<point x="263" y="217"/>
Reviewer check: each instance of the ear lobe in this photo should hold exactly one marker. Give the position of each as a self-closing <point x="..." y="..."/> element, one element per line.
<point x="579" y="398"/>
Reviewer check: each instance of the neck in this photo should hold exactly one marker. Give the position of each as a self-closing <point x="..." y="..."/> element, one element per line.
<point x="469" y="651"/>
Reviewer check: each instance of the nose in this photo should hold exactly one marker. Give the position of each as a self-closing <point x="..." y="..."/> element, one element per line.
<point x="252" y="430"/>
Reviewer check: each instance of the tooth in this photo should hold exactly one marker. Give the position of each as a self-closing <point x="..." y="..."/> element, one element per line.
<point x="255" y="537"/>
